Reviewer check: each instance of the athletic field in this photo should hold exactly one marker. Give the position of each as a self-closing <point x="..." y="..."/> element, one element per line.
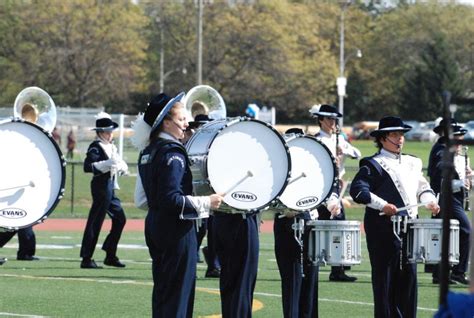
<point x="55" y="286"/>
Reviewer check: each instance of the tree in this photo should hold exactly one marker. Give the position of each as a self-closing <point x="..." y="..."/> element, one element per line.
<point x="83" y="52"/>
<point x="436" y="72"/>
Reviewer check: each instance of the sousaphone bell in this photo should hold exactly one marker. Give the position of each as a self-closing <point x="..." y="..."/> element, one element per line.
<point x="204" y="100"/>
<point x="35" y="105"/>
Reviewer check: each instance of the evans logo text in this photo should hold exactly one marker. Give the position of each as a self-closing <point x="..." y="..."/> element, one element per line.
<point x="307" y="201"/>
<point x="12" y="213"/>
<point x="244" y="196"/>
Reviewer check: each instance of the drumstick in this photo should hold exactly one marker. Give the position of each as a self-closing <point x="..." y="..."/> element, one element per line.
<point x="403" y="208"/>
<point x="249" y="174"/>
<point x="302" y="175"/>
<point x="30" y="184"/>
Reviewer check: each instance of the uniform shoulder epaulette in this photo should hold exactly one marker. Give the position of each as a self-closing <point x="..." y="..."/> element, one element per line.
<point x="162" y="146"/>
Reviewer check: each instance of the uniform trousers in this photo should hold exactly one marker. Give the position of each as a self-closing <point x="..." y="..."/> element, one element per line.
<point x="394" y="286"/>
<point x="459" y="214"/>
<point x="26" y="241"/>
<point x="104" y="202"/>
<point x="173" y="268"/>
<point x="237" y="247"/>
<point x="299" y="294"/>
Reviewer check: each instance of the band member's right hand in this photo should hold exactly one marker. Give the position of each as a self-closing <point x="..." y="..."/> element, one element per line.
<point x="216" y="200"/>
<point x="389" y="209"/>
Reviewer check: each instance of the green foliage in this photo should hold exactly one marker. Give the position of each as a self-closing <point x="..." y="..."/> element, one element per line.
<point x="81" y="52"/>
<point x="436" y="73"/>
<point x="282" y="53"/>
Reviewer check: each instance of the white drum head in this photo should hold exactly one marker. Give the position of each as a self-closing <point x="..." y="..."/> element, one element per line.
<point x="249" y="162"/>
<point x="313" y="174"/>
<point x="32" y="174"/>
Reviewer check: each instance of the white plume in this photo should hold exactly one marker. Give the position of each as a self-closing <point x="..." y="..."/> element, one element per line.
<point x="141" y="135"/>
<point x="102" y="115"/>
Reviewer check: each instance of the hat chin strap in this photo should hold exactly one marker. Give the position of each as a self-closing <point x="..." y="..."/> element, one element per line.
<point x="399" y="146"/>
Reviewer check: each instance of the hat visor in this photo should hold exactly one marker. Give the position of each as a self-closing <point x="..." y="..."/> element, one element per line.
<point x="460" y="132"/>
<point x="196" y="124"/>
<point x="161" y="116"/>
<point x="378" y="132"/>
<point x="108" y="128"/>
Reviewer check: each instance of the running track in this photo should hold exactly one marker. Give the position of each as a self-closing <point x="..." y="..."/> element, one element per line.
<point x="70" y="225"/>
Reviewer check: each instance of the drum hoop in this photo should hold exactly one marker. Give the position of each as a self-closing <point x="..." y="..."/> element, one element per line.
<point x="233" y="121"/>
<point x="335" y="179"/>
<point x="62" y="161"/>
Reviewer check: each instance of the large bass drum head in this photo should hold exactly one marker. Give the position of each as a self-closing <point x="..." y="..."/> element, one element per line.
<point x="32" y="171"/>
<point x="313" y="174"/>
<point x="249" y="162"/>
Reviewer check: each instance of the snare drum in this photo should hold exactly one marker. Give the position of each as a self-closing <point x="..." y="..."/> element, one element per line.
<point x="32" y="174"/>
<point x="424" y="239"/>
<point x="313" y="173"/>
<point x="243" y="158"/>
<point x="334" y="242"/>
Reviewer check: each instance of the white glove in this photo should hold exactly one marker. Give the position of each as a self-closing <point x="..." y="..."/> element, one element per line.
<point x="314" y="214"/>
<point x="122" y="167"/>
<point x="104" y="165"/>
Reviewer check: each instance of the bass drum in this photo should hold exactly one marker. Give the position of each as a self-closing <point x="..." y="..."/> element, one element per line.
<point x="245" y="159"/>
<point x="32" y="170"/>
<point x="313" y="173"/>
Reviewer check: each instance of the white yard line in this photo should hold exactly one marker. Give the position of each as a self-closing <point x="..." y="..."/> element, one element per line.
<point x="211" y="290"/>
<point x="9" y="314"/>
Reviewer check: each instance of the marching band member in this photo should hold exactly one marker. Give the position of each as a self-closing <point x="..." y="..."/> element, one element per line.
<point x="327" y="116"/>
<point x="299" y="276"/>
<point x="103" y="161"/>
<point x="164" y="185"/>
<point x="461" y="184"/>
<point x="386" y="181"/>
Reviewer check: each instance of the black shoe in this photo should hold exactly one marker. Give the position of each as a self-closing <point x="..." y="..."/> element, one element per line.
<point x="213" y="273"/>
<point x="89" y="263"/>
<point x="459" y="278"/>
<point x="436" y="281"/>
<point x="2" y="260"/>
<point x="341" y="277"/>
<point x="27" y="258"/>
<point x="113" y="261"/>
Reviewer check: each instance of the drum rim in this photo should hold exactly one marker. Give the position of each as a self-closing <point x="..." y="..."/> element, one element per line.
<point x="62" y="162"/>
<point x="333" y="159"/>
<point x="235" y="120"/>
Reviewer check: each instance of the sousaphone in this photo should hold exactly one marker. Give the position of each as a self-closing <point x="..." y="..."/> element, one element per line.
<point x="204" y="100"/>
<point x="35" y="106"/>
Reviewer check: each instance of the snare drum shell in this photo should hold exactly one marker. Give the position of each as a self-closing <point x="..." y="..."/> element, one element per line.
<point x="335" y="242"/>
<point x="424" y="240"/>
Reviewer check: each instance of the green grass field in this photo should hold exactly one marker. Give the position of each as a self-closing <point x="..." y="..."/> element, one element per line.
<point x="55" y="286"/>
